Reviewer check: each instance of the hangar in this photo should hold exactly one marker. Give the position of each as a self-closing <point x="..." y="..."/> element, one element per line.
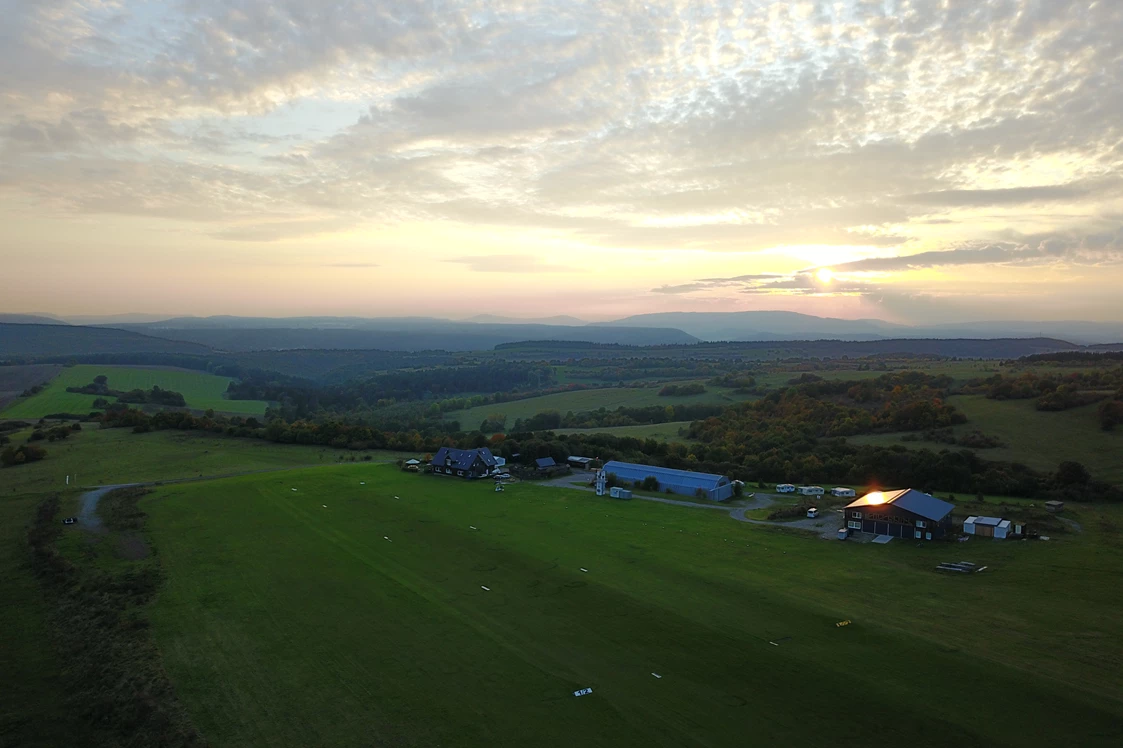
<point x="684" y="482"/>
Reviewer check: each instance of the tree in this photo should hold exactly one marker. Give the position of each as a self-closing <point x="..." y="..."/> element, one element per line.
<point x="101" y="379"/>
<point x="650" y="483"/>
<point x="1070" y="473"/>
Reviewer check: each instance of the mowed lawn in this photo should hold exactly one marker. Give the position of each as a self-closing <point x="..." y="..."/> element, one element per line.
<point x="580" y="401"/>
<point x="199" y="389"/>
<point x="352" y="615"/>
<point x="1038" y="439"/>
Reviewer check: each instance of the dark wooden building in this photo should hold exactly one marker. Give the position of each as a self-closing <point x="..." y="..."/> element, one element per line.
<point x="907" y="513"/>
<point x="464" y="463"/>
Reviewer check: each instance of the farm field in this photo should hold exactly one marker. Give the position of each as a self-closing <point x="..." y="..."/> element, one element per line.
<point x="580" y="401"/>
<point x="1038" y="439"/>
<point x="199" y="389"/>
<point x="662" y="431"/>
<point x="340" y="614"/>
<point x="15" y="379"/>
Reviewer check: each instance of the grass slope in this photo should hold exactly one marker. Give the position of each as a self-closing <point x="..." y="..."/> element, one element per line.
<point x="1039" y="439"/>
<point x="580" y="401"/>
<point x="287" y="622"/>
<point x="667" y="432"/>
<point x="199" y="389"/>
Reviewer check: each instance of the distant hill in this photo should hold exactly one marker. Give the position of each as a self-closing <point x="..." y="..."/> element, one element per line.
<point x="561" y="319"/>
<point x="763" y="326"/>
<point x="29" y="319"/>
<point x="26" y="341"/>
<point x="414" y="334"/>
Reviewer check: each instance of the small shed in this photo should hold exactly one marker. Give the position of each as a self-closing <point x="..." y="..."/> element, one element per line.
<point x="1055" y="506"/>
<point x="545" y="463"/>
<point x="987" y="527"/>
<point x="617" y="492"/>
<point x="844" y="493"/>
<point x="581" y="463"/>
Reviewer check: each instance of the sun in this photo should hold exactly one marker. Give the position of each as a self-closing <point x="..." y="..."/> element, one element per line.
<point x="877" y="497"/>
<point x="825" y="275"/>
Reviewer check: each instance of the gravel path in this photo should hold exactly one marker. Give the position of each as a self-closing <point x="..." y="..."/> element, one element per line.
<point x="826" y="525"/>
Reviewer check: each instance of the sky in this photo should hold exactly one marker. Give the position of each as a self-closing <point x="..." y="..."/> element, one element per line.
<point x="945" y="160"/>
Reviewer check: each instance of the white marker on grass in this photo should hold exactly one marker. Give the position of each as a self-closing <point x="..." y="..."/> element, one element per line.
<point x="657" y="675"/>
<point x="386" y="538"/>
<point x="485" y="588"/>
<point x="584" y="570"/>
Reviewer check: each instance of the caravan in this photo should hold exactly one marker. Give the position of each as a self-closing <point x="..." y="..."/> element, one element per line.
<point x="785" y="488"/>
<point x="811" y="491"/>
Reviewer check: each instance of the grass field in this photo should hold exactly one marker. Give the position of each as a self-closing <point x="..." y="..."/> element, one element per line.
<point x="109" y="456"/>
<point x="661" y="431"/>
<point x="199" y="389"/>
<point x="580" y="401"/>
<point x="339" y="614"/>
<point x="1035" y="438"/>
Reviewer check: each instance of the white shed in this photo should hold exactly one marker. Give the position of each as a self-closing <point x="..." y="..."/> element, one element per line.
<point x="987" y="527"/>
<point x="843" y="492"/>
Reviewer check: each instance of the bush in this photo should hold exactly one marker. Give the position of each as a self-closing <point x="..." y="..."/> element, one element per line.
<point x="22" y="455"/>
<point x="695" y="388"/>
<point x="650" y="483"/>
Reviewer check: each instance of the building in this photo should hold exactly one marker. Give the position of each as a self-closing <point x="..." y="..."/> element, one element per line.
<point x="581" y="463"/>
<point x="1055" y="506"/>
<point x="464" y="463"/>
<point x="545" y="464"/>
<point x="684" y="482"/>
<point x="843" y="493"/>
<point x="811" y="491"/>
<point x="987" y="527"/>
<point x="907" y="513"/>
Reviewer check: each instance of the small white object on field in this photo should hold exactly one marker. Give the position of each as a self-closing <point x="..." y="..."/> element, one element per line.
<point x="774" y="644"/>
<point x="325" y="506"/>
<point x="485" y="588"/>
<point x="583" y="692"/>
<point x="657" y="675"/>
<point x="584" y="570"/>
<point x="294" y="489"/>
<point x="397" y="497"/>
<point x="386" y="538"/>
<point x="362" y="483"/>
<point x="473" y="527"/>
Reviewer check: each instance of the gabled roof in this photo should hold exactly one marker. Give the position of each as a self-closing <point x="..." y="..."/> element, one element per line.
<point x="545" y="462"/>
<point x="909" y="499"/>
<point x="665" y="476"/>
<point x="463" y="459"/>
<point x="992" y="521"/>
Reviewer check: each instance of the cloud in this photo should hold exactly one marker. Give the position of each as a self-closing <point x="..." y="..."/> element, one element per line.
<point x="1008" y="196"/>
<point x="507" y="264"/>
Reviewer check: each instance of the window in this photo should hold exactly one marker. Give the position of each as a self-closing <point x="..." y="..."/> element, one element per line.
<point x="856" y="515"/>
<point x="927" y="536"/>
<point x="916" y="534"/>
<point x="854" y="525"/>
<point x="921" y="523"/>
<point x="460" y="472"/>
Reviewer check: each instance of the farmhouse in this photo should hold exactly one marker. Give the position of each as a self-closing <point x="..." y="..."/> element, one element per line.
<point x="987" y="527"/>
<point x="907" y="513"/>
<point x="464" y="463"/>
<point x="685" y="482"/>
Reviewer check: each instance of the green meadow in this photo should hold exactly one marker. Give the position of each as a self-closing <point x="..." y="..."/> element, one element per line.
<point x="349" y="615"/>
<point x="667" y="432"/>
<point x="580" y="401"/>
<point x="1038" y="439"/>
<point x="202" y="391"/>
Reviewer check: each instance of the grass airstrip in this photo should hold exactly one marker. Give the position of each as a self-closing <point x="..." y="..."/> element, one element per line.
<point x="370" y="606"/>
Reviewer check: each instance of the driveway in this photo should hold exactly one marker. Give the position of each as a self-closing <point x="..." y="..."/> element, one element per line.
<point x="826" y="525"/>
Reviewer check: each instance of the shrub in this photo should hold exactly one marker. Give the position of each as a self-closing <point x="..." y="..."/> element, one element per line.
<point x="650" y="483"/>
<point x="22" y="455"/>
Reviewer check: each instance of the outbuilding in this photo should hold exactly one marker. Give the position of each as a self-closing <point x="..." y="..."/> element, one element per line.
<point x="987" y="527"/>
<point x="843" y="493"/>
<point x="683" y="482"/>
<point x="545" y="464"/>
<point x="464" y="463"/>
<point x="906" y="513"/>
<point x="581" y="463"/>
<point x="1054" y="506"/>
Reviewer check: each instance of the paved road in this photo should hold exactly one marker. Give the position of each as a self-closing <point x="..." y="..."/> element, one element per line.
<point x="826" y="525"/>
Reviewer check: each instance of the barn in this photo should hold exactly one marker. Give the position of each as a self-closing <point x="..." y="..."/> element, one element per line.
<point x="464" y="463"/>
<point x="907" y="513"/>
<point x="684" y="482"/>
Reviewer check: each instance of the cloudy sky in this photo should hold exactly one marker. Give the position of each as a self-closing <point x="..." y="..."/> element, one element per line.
<point x="945" y="159"/>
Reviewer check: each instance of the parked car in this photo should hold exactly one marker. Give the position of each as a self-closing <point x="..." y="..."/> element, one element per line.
<point x="812" y="513"/>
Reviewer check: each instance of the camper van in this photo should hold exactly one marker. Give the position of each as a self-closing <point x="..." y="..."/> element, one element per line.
<point x="843" y="493"/>
<point x="785" y="488"/>
<point x="811" y="491"/>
